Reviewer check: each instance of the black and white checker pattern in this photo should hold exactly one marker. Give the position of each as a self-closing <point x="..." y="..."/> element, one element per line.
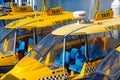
<point x="56" y="77"/>
<point x="87" y="70"/>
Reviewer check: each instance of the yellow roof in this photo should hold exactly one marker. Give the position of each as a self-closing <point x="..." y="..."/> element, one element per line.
<point x="19" y="12"/>
<point x="89" y="28"/>
<point x="18" y="15"/>
<point x="42" y="21"/>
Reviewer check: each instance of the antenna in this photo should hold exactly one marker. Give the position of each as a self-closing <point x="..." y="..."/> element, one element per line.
<point x="44" y="7"/>
<point x="11" y="4"/>
<point x="96" y="7"/>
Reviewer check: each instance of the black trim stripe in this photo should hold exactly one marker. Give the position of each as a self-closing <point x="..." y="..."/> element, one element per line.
<point x="56" y="77"/>
<point x="90" y="69"/>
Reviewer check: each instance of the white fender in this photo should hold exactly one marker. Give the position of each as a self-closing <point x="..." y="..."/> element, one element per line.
<point x="79" y="14"/>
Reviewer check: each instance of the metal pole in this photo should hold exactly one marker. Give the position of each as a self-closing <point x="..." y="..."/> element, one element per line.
<point x="15" y="39"/>
<point x="31" y="3"/>
<point x="20" y="2"/>
<point x="34" y="36"/>
<point x="63" y="57"/>
<point x="86" y="47"/>
<point x="16" y="1"/>
<point x="44" y="7"/>
<point x="34" y="5"/>
<point x="96" y="7"/>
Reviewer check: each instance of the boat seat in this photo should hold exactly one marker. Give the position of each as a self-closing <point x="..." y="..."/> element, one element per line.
<point x="73" y="53"/>
<point x="82" y="49"/>
<point x="79" y="61"/>
<point x="95" y="52"/>
<point x="21" y="46"/>
<point x="58" y="61"/>
<point x="30" y="41"/>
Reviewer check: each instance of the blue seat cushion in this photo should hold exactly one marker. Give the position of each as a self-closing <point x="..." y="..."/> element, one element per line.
<point x="74" y="52"/>
<point x="82" y="49"/>
<point x="79" y="61"/>
<point x="95" y="51"/>
<point x="21" y="46"/>
<point x="58" y="61"/>
<point x="30" y="41"/>
<point x="94" y="48"/>
<point x="76" y="68"/>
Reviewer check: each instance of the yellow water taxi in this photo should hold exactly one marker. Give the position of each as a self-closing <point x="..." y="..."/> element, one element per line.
<point x="70" y="52"/>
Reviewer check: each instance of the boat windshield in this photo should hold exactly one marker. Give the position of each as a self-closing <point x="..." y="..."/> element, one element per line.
<point x="51" y="48"/>
<point x="45" y="46"/>
<point x="5" y="22"/>
<point x="7" y="39"/>
<point x="6" y="34"/>
<point x="109" y="68"/>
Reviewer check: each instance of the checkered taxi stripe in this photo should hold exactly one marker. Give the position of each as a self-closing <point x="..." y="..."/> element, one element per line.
<point x="87" y="70"/>
<point x="56" y="77"/>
